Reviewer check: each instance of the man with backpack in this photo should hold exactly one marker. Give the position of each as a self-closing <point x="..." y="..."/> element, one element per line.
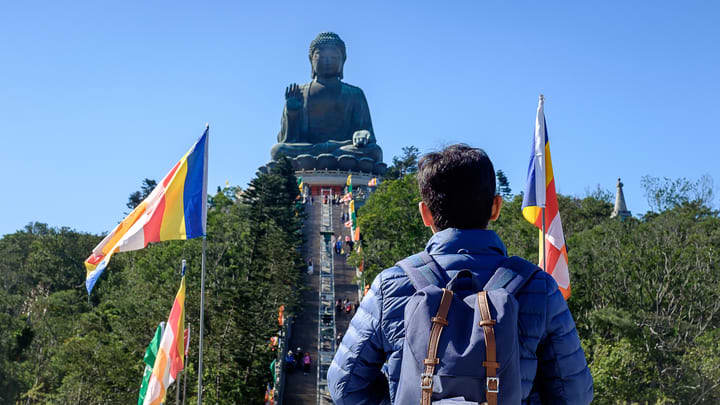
<point x="460" y="321"/>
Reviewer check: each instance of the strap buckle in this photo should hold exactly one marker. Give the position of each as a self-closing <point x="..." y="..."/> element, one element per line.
<point x="429" y="385"/>
<point x="492" y="384"/>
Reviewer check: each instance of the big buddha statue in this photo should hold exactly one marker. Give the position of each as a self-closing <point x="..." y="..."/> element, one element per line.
<point x="326" y="123"/>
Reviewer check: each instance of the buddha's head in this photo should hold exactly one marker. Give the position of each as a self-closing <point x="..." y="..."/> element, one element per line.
<point x="327" y="55"/>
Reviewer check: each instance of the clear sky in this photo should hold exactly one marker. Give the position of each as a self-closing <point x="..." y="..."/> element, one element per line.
<point x="95" y="96"/>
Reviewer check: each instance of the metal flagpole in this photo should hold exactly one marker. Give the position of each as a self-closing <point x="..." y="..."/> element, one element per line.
<point x="177" y="382"/>
<point x="202" y="273"/>
<point x="543" y="238"/>
<point x="541" y="102"/>
<point x="202" y="321"/>
<point x="187" y="346"/>
<point x="177" y="389"/>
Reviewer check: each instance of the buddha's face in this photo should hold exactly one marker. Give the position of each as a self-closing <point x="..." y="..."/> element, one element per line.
<point x="327" y="62"/>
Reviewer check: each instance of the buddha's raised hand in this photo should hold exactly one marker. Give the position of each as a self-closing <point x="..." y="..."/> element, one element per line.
<point x="293" y="97"/>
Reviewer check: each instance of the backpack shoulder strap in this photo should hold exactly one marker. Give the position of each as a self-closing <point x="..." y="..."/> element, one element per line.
<point x="423" y="270"/>
<point x="512" y="275"/>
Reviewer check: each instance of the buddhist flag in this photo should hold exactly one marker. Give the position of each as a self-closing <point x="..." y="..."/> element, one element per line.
<point x="175" y="209"/>
<point x="372" y="182"/>
<point x="540" y="193"/>
<point x="269" y="394"/>
<point x="170" y="357"/>
<point x="149" y="360"/>
<point x="300" y="184"/>
<point x="348" y="183"/>
<point x="353" y="221"/>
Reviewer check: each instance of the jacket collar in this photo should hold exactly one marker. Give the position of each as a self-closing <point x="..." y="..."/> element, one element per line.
<point x="466" y="241"/>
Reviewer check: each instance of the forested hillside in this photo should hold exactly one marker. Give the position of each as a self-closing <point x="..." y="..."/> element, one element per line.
<point x="645" y="291"/>
<point x="57" y="346"/>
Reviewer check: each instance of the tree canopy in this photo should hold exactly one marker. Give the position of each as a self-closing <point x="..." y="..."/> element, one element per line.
<point x="405" y="164"/>
<point x="138" y="196"/>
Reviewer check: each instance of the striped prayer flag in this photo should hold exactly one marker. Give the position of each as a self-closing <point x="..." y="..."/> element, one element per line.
<point x="149" y="360"/>
<point x="170" y="359"/>
<point x="348" y="183"/>
<point x="353" y="221"/>
<point x="300" y="184"/>
<point x="269" y="395"/>
<point x="175" y="209"/>
<point x="541" y="194"/>
<point x="372" y="182"/>
<point x="346" y="198"/>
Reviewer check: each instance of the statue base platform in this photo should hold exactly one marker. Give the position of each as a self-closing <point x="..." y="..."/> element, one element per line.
<point x="333" y="181"/>
<point x="345" y="163"/>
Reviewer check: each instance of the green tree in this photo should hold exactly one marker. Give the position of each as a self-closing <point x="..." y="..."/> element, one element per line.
<point x="503" y="184"/>
<point x="519" y="236"/>
<point x="666" y="193"/>
<point x="403" y="165"/>
<point x="655" y="284"/>
<point x="391" y="226"/>
<point x="148" y="185"/>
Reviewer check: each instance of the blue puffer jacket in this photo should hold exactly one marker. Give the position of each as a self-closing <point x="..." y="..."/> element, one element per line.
<point x="554" y="369"/>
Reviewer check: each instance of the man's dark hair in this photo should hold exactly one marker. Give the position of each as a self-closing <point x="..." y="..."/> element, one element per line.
<point x="458" y="185"/>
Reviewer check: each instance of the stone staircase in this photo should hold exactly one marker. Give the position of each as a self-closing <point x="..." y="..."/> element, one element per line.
<point x="318" y="323"/>
<point x="300" y="388"/>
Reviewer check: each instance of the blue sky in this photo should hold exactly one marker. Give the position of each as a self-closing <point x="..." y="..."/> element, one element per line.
<point x="96" y="96"/>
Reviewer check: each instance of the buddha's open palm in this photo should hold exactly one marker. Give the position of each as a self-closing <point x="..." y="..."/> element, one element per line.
<point x="293" y="96"/>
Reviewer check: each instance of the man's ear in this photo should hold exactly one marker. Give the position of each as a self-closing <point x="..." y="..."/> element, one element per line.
<point x="426" y="216"/>
<point x="496" y="207"/>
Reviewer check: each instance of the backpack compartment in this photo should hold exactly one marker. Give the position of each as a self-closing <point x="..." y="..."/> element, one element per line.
<point x="461" y="348"/>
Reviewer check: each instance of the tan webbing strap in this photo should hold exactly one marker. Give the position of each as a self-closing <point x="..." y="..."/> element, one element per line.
<point x="492" y="383"/>
<point x="438" y="323"/>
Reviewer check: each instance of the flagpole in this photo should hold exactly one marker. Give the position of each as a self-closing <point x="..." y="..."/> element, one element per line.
<point x="202" y="321"/>
<point x="185" y="373"/>
<point x="177" y="382"/>
<point x="177" y="390"/>
<point x="541" y="102"/>
<point x="543" y="238"/>
<point x="202" y="274"/>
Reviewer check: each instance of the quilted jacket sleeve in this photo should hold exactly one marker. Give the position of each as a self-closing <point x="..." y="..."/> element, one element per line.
<point x="355" y="374"/>
<point x="563" y="376"/>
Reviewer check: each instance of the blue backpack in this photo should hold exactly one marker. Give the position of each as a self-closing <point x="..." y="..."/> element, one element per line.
<point x="461" y="341"/>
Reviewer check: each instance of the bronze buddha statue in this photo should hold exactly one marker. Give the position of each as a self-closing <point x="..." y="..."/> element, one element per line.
<point x="326" y="122"/>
